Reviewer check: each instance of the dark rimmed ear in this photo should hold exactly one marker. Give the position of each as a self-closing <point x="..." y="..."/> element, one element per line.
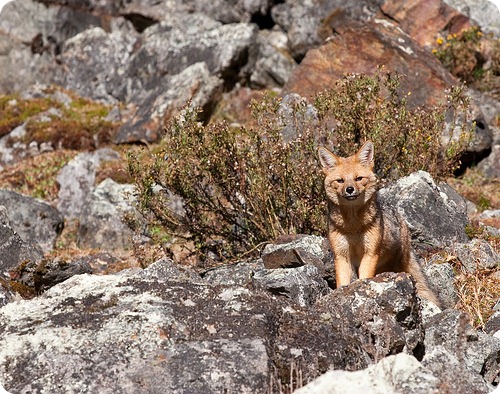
<point x="365" y="154"/>
<point x="327" y="159"/>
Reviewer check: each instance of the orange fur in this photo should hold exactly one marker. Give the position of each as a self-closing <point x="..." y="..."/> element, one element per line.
<point x="366" y="238"/>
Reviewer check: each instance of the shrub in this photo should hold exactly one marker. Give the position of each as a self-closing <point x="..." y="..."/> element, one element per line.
<point x="242" y="186"/>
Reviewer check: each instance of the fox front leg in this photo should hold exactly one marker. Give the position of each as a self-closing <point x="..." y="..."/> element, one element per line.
<point x="343" y="271"/>
<point x="368" y="266"/>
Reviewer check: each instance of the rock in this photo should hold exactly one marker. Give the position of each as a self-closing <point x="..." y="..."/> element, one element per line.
<point x="273" y="64"/>
<point x="236" y="11"/>
<point x="480" y="352"/>
<point x="482" y="12"/>
<point x="303" y="250"/>
<point x="51" y="271"/>
<point x="303" y="284"/>
<point x="361" y="323"/>
<point x="423" y="20"/>
<point x="297" y="115"/>
<point x="442" y="279"/>
<point x="102" y="221"/>
<point x="454" y="376"/>
<point x="483" y="357"/>
<point x="13" y="250"/>
<point x="321" y="68"/>
<point x="475" y="255"/>
<point x="239" y="274"/>
<point x="304" y="21"/>
<point x="93" y="64"/>
<point x="490" y="166"/>
<point x="180" y="41"/>
<point x="158" y="335"/>
<point x="493" y="324"/>
<point x="194" y="85"/>
<point x="37" y="223"/>
<point x="6" y="296"/>
<point x="174" y="330"/>
<point x="436" y="215"/>
<point x="392" y="374"/>
<point x="32" y="36"/>
<point x="76" y="180"/>
<point x="29" y="21"/>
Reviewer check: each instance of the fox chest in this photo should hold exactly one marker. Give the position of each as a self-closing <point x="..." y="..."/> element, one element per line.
<point x="353" y="246"/>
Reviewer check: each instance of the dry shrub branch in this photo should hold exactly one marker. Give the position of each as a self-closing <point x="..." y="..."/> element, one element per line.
<point x="241" y="186"/>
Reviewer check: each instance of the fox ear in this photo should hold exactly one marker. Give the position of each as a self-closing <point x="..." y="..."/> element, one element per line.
<point x="365" y="154"/>
<point x="327" y="159"/>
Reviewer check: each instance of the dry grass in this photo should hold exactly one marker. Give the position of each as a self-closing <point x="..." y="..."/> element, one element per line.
<point x="36" y="176"/>
<point x="483" y="192"/>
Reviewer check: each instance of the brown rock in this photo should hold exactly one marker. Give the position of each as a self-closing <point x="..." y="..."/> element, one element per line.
<point x="361" y="48"/>
<point x="424" y="19"/>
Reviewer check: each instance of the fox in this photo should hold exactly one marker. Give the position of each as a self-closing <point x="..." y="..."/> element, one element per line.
<point x="366" y="237"/>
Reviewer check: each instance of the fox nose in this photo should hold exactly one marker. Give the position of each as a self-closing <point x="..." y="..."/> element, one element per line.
<point x="349" y="190"/>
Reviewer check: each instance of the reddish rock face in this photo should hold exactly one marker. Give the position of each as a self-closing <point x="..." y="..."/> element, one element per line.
<point x="424" y="19"/>
<point x="360" y="48"/>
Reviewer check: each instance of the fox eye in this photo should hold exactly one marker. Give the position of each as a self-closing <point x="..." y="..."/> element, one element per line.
<point x="340" y="180"/>
<point x="359" y="178"/>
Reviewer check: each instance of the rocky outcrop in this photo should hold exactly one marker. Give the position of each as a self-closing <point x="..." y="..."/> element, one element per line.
<point x="175" y="329"/>
<point x="435" y="213"/>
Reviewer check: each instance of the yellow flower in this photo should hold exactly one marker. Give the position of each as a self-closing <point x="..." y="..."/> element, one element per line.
<point x="434" y="51"/>
<point x="450" y="37"/>
<point x="439" y="41"/>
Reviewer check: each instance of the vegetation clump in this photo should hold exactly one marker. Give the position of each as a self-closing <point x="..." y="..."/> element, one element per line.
<point x="473" y="57"/>
<point x="240" y="186"/>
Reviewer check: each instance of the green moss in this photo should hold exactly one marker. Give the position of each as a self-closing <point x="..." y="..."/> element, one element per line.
<point x="81" y="125"/>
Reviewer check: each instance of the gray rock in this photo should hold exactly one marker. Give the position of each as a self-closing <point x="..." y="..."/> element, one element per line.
<point x="436" y="215"/>
<point x="490" y="166"/>
<point x="361" y="323"/>
<point x="477" y="351"/>
<point x="492" y="326"/>
<point x="297" y="115"/>
<point x="37" y="223"/>
<point x="158" y="335"/>
<point x="161" y="331"/>
<point x="195" y="85"/>
<point x="231" y="12"/>
<point x="453" y="375"/>
<point x="51" y="271"/>
<point x="32" y="36"/>
<point x="303" y="284"/>
<point x="476" y="254"/>
<point x="272" y="64"/>
<point x="27" y="21"/>
<point x="6" y="296"/>
<point x="101" y="223"/>
<point x="93" y="64"/>
<point x="391" y="375"/>
<point x="442" y="279"/>
<point x="77" y="178"/>
<point x="184" y="40"/>
<point x="239" y="274"/>
<point x="483" y="357"/>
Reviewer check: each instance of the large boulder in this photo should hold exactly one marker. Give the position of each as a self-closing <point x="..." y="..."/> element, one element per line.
<point x="384" y="44"/>
<point x="194" y="85"/>
<point x="174" y="330"/>
<point x="436" y="215"/>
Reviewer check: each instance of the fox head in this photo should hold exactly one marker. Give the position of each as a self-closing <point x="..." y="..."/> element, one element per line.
<point x="350" y="180"/>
